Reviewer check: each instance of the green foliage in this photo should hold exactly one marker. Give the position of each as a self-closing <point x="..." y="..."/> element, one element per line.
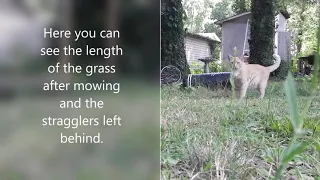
<point x="196" y="71"/>
<point x="262" y="32"/>
<point x="240" y="6"/>
<point x="220" y="10"/>
<point x="214" y="67"/>
<point x="173" y="35"/>
<point x="218" y="67"/>
<point x="301" y="24"/>
<point x="304" y="78"/>
<point x="282" y="72"/>
<point x="196" y="12"/>
<point x="196" y="68"/>
<point x="294" y="66"/>
<point x="215" y="49"/>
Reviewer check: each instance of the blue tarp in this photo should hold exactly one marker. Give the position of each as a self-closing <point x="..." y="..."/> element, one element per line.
<point x="208" y="79"/>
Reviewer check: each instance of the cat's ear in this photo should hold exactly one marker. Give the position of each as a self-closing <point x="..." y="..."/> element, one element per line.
<point x="230" y="57"/>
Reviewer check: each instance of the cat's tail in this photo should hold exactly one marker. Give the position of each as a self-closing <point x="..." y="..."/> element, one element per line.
<point x="276" y="64"/>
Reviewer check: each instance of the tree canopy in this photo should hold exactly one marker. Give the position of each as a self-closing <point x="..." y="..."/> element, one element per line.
<point x="303" y="15"/>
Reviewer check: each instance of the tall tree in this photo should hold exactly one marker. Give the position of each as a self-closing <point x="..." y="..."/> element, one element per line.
<point x="239" y="6"/>
<point x="112" y="22"/>
<point x="172" y="36"/>
<point x="303" y="16"/>
<point x="219" y="11"/>
<point x="262" y="31"/>
<point x="196" y="11"/>
<point x="300" y="29"/>
<point x="66" y="22"/>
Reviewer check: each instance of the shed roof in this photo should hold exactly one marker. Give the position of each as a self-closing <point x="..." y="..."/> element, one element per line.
<point x="232" y="17"/>
<point x="205" y="36"/>
<point x="284" y="13"/>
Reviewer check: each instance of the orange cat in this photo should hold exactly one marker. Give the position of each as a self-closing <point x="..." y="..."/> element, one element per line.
<point x="251" y="76"/>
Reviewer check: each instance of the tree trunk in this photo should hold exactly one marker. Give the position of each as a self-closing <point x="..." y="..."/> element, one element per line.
<point x="89" y="15"/>
<point x="172" y="36"/>
<point x="111" y="23"/>
<point x="300" y="29"/>
<point x="262" y="32"/>
<point x="65" y="19"/>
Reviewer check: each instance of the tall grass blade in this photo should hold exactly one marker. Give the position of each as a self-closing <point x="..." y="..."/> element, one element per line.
<point x="288" y="155"/>
<point x="297" y="124"/>
<point x="292" y="151"/>
<point x="291" y="96"/>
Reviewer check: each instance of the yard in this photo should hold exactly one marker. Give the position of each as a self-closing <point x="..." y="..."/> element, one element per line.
<point x="206" y="135"/>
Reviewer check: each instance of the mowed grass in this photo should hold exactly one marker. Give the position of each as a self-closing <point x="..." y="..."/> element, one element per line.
<point x="207" y="135"/>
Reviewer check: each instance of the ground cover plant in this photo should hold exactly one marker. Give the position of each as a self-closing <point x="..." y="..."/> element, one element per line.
<point x="205" y="135"/>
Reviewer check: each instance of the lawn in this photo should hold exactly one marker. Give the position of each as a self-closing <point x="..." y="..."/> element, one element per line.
<point x="207" y="135"/>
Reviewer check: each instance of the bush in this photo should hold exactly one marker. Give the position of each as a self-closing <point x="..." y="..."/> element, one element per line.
<point x="196" y="68"/>
<point x="282" y="72"/>
<point x="306" y="78"/>
<point x="216" y="67"/>
<point x="294" y="67"/>
<point x="196" y="71"/>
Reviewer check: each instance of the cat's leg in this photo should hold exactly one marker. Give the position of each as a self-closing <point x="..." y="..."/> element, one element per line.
<point x="262" y="93"/>
<point x="243" y="90"/>
<point x="262" y="89"/>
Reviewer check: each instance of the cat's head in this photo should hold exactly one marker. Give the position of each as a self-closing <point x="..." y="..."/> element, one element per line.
<point x="236" y="62"/>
